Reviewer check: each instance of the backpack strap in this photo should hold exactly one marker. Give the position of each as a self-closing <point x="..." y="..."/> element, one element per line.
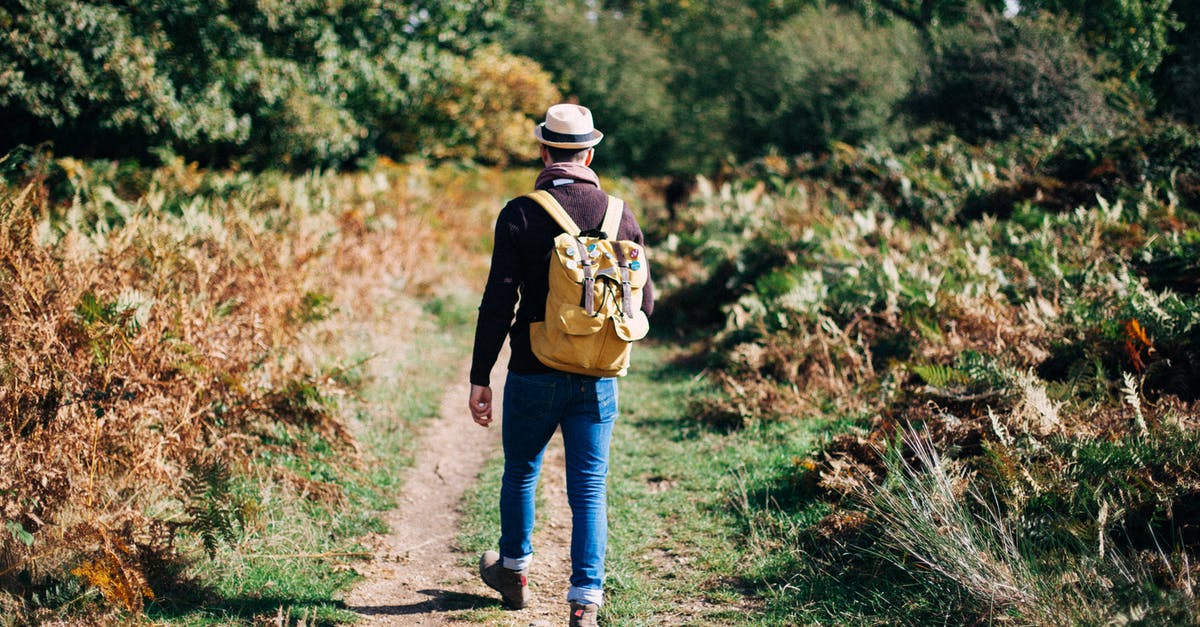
<point x="612" y="217"/>
<point x="556" y="211"/>
<point x="612" y="224"/>
<point x="626" y="290"/>
<point x="588" y="297"/>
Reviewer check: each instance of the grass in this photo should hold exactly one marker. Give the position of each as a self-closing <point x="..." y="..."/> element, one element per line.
<point x="694" y="513"/>
<point x="1027" y="343"/>
<point x="298" y="552"/>
<point x="703" y="520"/>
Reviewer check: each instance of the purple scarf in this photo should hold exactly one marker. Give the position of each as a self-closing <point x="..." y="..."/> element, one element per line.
<point x="577" y="172"/>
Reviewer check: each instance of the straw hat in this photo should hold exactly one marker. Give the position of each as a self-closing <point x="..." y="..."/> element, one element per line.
<point x="568" y="126"/>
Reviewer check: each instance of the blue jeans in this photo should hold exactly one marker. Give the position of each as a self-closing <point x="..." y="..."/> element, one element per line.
<point x="585" y="408"/>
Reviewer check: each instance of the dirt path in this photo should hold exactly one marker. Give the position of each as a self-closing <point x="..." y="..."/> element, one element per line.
<point x="419" y="576"/>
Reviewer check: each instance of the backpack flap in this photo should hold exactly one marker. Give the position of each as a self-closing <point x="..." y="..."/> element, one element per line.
<point x="632" y="328"/>
<point x="575" y="321"/>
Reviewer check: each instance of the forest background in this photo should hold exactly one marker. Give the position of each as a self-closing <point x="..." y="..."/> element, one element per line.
<point x="684" y="86"/>
<point x="931" y="313"/>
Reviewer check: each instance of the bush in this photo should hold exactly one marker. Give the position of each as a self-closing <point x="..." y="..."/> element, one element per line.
<point x="152" y="337"/>
<point x="835" y="79"/>
<point x="1177" y="82"/>
<point x="994" y="77"/>
<point x="487" y="108"/>
<point x="609" y="65"/>
<point x="300" y="129"/>
<point x="1133" y="34"/>
<point x="73" y="64"/>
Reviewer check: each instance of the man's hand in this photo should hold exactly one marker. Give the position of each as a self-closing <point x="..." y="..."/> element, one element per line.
<point x="481" y="404"/>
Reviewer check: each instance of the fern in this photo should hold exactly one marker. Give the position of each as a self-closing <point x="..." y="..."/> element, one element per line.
<point x="939" y="375"/>
<point x="214" y="513"/>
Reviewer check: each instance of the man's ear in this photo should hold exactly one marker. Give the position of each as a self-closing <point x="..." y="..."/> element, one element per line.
<point x="587" y="161"/>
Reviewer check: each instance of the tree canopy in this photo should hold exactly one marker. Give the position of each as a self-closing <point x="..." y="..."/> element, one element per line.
<point x="679" y="85"/>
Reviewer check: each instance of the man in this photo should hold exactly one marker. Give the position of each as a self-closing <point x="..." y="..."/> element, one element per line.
<point x="539" y="399"/>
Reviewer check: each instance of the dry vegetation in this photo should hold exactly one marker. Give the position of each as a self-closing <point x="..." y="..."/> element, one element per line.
<point x="1015" y="332"/>
<point x="158" y="328"/>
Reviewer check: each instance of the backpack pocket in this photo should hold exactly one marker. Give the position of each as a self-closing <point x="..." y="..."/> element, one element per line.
<point x="633" y="328"/>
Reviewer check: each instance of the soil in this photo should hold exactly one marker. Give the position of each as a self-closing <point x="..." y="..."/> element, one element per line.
<point x="419" y="575"/>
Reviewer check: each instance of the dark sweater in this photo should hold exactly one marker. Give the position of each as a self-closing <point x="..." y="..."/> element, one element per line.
<point x="520" y="264"/>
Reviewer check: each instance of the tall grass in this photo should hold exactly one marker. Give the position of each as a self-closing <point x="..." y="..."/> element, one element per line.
<point x="931" y="513"/>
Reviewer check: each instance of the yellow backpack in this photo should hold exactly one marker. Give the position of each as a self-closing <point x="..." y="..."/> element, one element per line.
<point x="594" y="305"/>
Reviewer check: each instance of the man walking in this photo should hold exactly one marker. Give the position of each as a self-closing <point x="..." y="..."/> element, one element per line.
<point x="538" y="399"/>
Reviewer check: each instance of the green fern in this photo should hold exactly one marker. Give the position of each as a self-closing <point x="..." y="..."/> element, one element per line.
<point x="972" y="371"/>
<point x="939" y="375"/>
<point x="213" y="511"/>
<point x="981" y="370"/>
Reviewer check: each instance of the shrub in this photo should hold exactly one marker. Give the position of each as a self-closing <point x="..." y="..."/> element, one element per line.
<point x="609" y="65"/>
<point x="1180" y="83"/>
<point x="994" y="77"/>
<point x="303" y="130"/>
<point x="1177" y="81"/>
<point x="1133" y="34"/>
<point x="151" y="341"/>
<point x="488" y="107"/>
<point x="834" y="78"/>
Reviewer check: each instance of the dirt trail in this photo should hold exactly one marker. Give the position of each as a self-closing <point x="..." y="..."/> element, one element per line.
<point x="419" y="576"/>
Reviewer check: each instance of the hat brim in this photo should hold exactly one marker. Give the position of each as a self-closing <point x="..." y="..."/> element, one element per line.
<point x="558" y="140"/>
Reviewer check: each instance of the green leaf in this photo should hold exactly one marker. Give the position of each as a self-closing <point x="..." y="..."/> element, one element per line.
<point x="938" y="375"/>
<point x="19" y="533"/>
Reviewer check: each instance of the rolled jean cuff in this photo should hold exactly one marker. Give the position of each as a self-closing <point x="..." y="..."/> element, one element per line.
<point x="517" y="563"/>
<point x="585" y="595"/>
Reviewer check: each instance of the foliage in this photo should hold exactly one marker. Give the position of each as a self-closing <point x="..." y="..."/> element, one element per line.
<point x="925" y="15"/>
<point x="154" y="335"/>
<point x="835" y="79"/>
<point x="1047" y="353"/>
<point x="613" y="68"/>
<point x="1176" y="83"/>
<point x="212" y="513"/>
<point x="719" y="48"/>
<point x="486" y="106"/>
<point x="991" y="78"/>
<point x="301" y="84"/>
<point x="679" y="87"/>
<point x="1135" y="34"/>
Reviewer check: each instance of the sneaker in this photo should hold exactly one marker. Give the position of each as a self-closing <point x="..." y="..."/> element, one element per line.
<point x="584" y="614"/>
<point x="511" y="584"/>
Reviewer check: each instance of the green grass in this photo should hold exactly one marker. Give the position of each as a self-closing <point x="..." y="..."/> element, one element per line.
<point x="719" y="528"/>
<point x="480" y="523"/>
<point x="700" y="520"/>
<point x="294" y="555"/>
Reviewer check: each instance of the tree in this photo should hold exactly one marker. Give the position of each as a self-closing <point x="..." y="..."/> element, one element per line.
<point x="1134" y="34"/>
<point x="835" y="78"/>
<point x="300" y="83"/>
<point x="606" y="62"/>
<point x="992" y="77"/>
<point x="1176" y="82"/>
<point x="924" y="15"/>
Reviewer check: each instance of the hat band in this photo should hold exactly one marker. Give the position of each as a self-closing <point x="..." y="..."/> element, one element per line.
<point x="555" y="136"/>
